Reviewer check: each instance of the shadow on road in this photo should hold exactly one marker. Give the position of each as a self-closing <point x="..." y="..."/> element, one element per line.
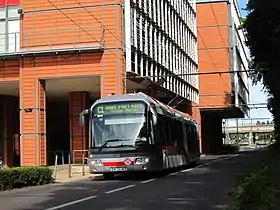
<point x="203" y="188"/>
<point x="141" y="176"/>
<point x="144" y="176"/>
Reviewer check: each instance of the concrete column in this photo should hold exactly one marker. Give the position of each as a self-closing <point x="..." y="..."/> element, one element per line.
<point x="195" y="113"/>
<point x="32" y="119"/>
<point x="211" y="133"/>
<point x="251" y="138"/>
<point x="78" y="101"/>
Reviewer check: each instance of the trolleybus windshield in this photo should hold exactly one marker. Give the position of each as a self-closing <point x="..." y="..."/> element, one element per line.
<point x="119" y="125"/>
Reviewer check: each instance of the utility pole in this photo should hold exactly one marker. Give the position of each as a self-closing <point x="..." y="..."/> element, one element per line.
<point x="237" y="134"/>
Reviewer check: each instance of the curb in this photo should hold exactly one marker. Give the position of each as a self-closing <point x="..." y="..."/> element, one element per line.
<point x="79" y="178"/>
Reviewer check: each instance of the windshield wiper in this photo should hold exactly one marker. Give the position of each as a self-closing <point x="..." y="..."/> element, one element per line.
<point x="126" y="145"/>
<point x="106" y="142"/>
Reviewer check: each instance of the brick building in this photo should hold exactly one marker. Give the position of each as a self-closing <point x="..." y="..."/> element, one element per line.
<point x="59" y="56"/>
<point x="221" y="48"/>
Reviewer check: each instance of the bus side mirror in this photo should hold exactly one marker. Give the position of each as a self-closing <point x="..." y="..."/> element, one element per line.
<point x="153" y="118"/>
<point x="83" y="116"/>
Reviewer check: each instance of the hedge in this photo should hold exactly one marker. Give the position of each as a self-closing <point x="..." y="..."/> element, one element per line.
<point x="260" y="188"/>
<point x="19" y="177"/>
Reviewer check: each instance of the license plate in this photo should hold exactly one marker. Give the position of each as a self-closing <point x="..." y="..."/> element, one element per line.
<point x="118" y="169"/>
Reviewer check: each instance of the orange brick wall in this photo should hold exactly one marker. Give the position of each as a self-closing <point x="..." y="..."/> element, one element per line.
<point x="43" y="29"/>
<point x="9" y="70"/>
<point x="109" y="65"/>
<point x="195" y="113"/>
<point x="213" y="54"/>
<point x="78" y="101"/>
<point x="32" y="124"/>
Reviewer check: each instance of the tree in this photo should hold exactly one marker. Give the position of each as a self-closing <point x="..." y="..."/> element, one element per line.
<point x="262" y="28"/>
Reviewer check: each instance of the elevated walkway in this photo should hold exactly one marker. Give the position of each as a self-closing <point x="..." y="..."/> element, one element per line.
<point x="249" y="128"/>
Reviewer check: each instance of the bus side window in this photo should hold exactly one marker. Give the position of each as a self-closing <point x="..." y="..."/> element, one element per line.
<point x="161" y="131"/>
<point x="172" y="136"/>
<point x="193" y="141"/>
<point x="177" y="132"/>
<point x="196" y="139"/>
<point x="189" y="137"/>
<point x="167" y="131"/>
<point x="152" y="133"/>
<point x="169" y="127"/>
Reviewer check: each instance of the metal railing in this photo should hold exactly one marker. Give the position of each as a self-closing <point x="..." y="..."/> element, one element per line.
<point x="84" y="159"/>
<point x="71" y="161"/>
<point x="59" y="38"/>
<point x="10" y="42"/>
<point x="58" y="157"/>
<point x="52" y="39"/>
<point x="83" y="155"/>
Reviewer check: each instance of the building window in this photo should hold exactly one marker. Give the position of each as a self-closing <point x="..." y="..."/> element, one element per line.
<point x="9" y="29"/>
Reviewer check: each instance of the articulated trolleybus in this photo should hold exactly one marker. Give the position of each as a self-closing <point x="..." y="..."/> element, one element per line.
<point x="137" y="133"/>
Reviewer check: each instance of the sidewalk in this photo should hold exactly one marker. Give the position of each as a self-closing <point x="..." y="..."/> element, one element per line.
<point x="62" y="173"/>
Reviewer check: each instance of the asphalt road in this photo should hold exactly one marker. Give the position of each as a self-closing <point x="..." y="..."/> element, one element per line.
<point x="201" y="188"/>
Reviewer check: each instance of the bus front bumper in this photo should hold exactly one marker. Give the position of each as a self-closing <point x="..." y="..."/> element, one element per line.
<point x="118" y="167"/>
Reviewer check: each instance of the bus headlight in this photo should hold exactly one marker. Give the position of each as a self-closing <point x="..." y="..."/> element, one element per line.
<point x="96" y="163"/>
<point x="141" y="160"/>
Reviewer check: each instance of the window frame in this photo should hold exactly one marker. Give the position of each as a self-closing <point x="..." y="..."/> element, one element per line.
<point x="6" y="19"/>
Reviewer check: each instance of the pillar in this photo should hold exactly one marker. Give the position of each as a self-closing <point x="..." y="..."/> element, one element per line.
<point x="195" y="112"/>
<point x="112" y="78"/>
<point x="78" y="101"/>
<point x="2" y="126"/>
<point x="250" y="138"/>
<point x="32" y="116"/>
<point x="211" y="133"/>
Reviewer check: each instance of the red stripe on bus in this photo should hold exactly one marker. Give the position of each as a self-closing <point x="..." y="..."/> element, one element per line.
<point x="9" y="2"/>
<point x="169" y="147"/>
<point x="115" y="164"/>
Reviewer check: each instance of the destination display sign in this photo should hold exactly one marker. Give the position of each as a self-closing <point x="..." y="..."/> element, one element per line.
<point x="119" y="108"/>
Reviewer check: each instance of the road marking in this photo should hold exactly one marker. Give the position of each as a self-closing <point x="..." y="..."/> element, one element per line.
<point x="147" y="181"/>
<point x="119" y="189"/>
<point x="129" y="186"/>
<point x="186" y="170"/>
<point x="71" y="203"/>
<point x="203" y="165"/>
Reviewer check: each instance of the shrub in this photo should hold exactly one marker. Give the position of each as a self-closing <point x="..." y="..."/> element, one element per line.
<point x="260" y="188"/>
<point x="19" y="177"/>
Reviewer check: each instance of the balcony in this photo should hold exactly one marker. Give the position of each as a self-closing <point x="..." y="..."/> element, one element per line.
<point x="59" y="40"/>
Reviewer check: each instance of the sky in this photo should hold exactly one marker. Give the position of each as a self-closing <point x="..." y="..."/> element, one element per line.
<point x="257" y="95"/>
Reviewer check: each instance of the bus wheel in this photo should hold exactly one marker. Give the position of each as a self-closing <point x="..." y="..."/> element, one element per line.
<point x="195" y="163"/>
<point x="108" y="176"/>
